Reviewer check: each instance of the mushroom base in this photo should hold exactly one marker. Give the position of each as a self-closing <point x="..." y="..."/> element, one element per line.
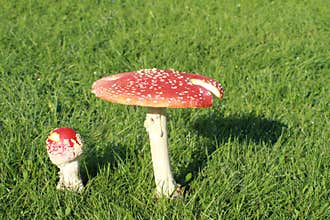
<point x="156" y="127"/>
<point x="69" y="177"/>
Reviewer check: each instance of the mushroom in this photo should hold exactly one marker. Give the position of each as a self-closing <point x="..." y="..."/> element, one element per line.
<point x="158" y="90"/>
<point x="64" y="146"/>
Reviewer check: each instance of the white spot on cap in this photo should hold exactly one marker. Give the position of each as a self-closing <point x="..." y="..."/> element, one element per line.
<point x="207" y="86"/>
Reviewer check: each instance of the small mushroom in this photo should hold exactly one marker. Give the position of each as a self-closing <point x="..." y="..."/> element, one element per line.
<point x="158" y="90"/>
<point x="64" y="146"/>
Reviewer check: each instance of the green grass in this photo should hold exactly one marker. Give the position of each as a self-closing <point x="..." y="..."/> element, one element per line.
<point x="261" y="152"/>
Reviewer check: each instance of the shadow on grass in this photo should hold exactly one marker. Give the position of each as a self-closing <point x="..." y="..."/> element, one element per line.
<point x="96" y="159"/>
<point x="216" y="128"/>
<point x="219" y="130"/>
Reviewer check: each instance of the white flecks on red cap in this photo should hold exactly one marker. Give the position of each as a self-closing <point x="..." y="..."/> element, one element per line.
<point x="158" y="88"/>
<point x="63" y="145"/>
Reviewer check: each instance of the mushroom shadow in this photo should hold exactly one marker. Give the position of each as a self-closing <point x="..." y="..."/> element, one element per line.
<point x="97" y="158"/>
<point x="219" y="130"/>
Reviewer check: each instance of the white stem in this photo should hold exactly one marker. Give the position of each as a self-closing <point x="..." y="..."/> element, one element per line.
<point x="155" y="125"/>
<point x="69" y="177"/>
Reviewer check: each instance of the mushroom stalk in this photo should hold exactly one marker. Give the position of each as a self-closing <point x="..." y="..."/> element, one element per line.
<point x="69" y="177"/>
<point x="156" y="127"/>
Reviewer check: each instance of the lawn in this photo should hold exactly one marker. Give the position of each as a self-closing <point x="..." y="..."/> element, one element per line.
<point x="263" y="151"/>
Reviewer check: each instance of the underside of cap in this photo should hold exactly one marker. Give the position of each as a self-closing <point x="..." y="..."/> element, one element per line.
<point x="158" y="88"/>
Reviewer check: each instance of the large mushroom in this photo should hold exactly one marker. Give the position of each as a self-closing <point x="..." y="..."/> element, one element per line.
<point x="158" y="90"/>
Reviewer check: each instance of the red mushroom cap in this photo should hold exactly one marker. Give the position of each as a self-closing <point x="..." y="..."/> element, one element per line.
<point x="63" y="145"/>
<point x="158" y="88"/>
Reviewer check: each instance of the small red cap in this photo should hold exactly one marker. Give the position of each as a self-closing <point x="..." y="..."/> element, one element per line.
<point x="158" y="88"/>
<point x="63" y="145"/>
